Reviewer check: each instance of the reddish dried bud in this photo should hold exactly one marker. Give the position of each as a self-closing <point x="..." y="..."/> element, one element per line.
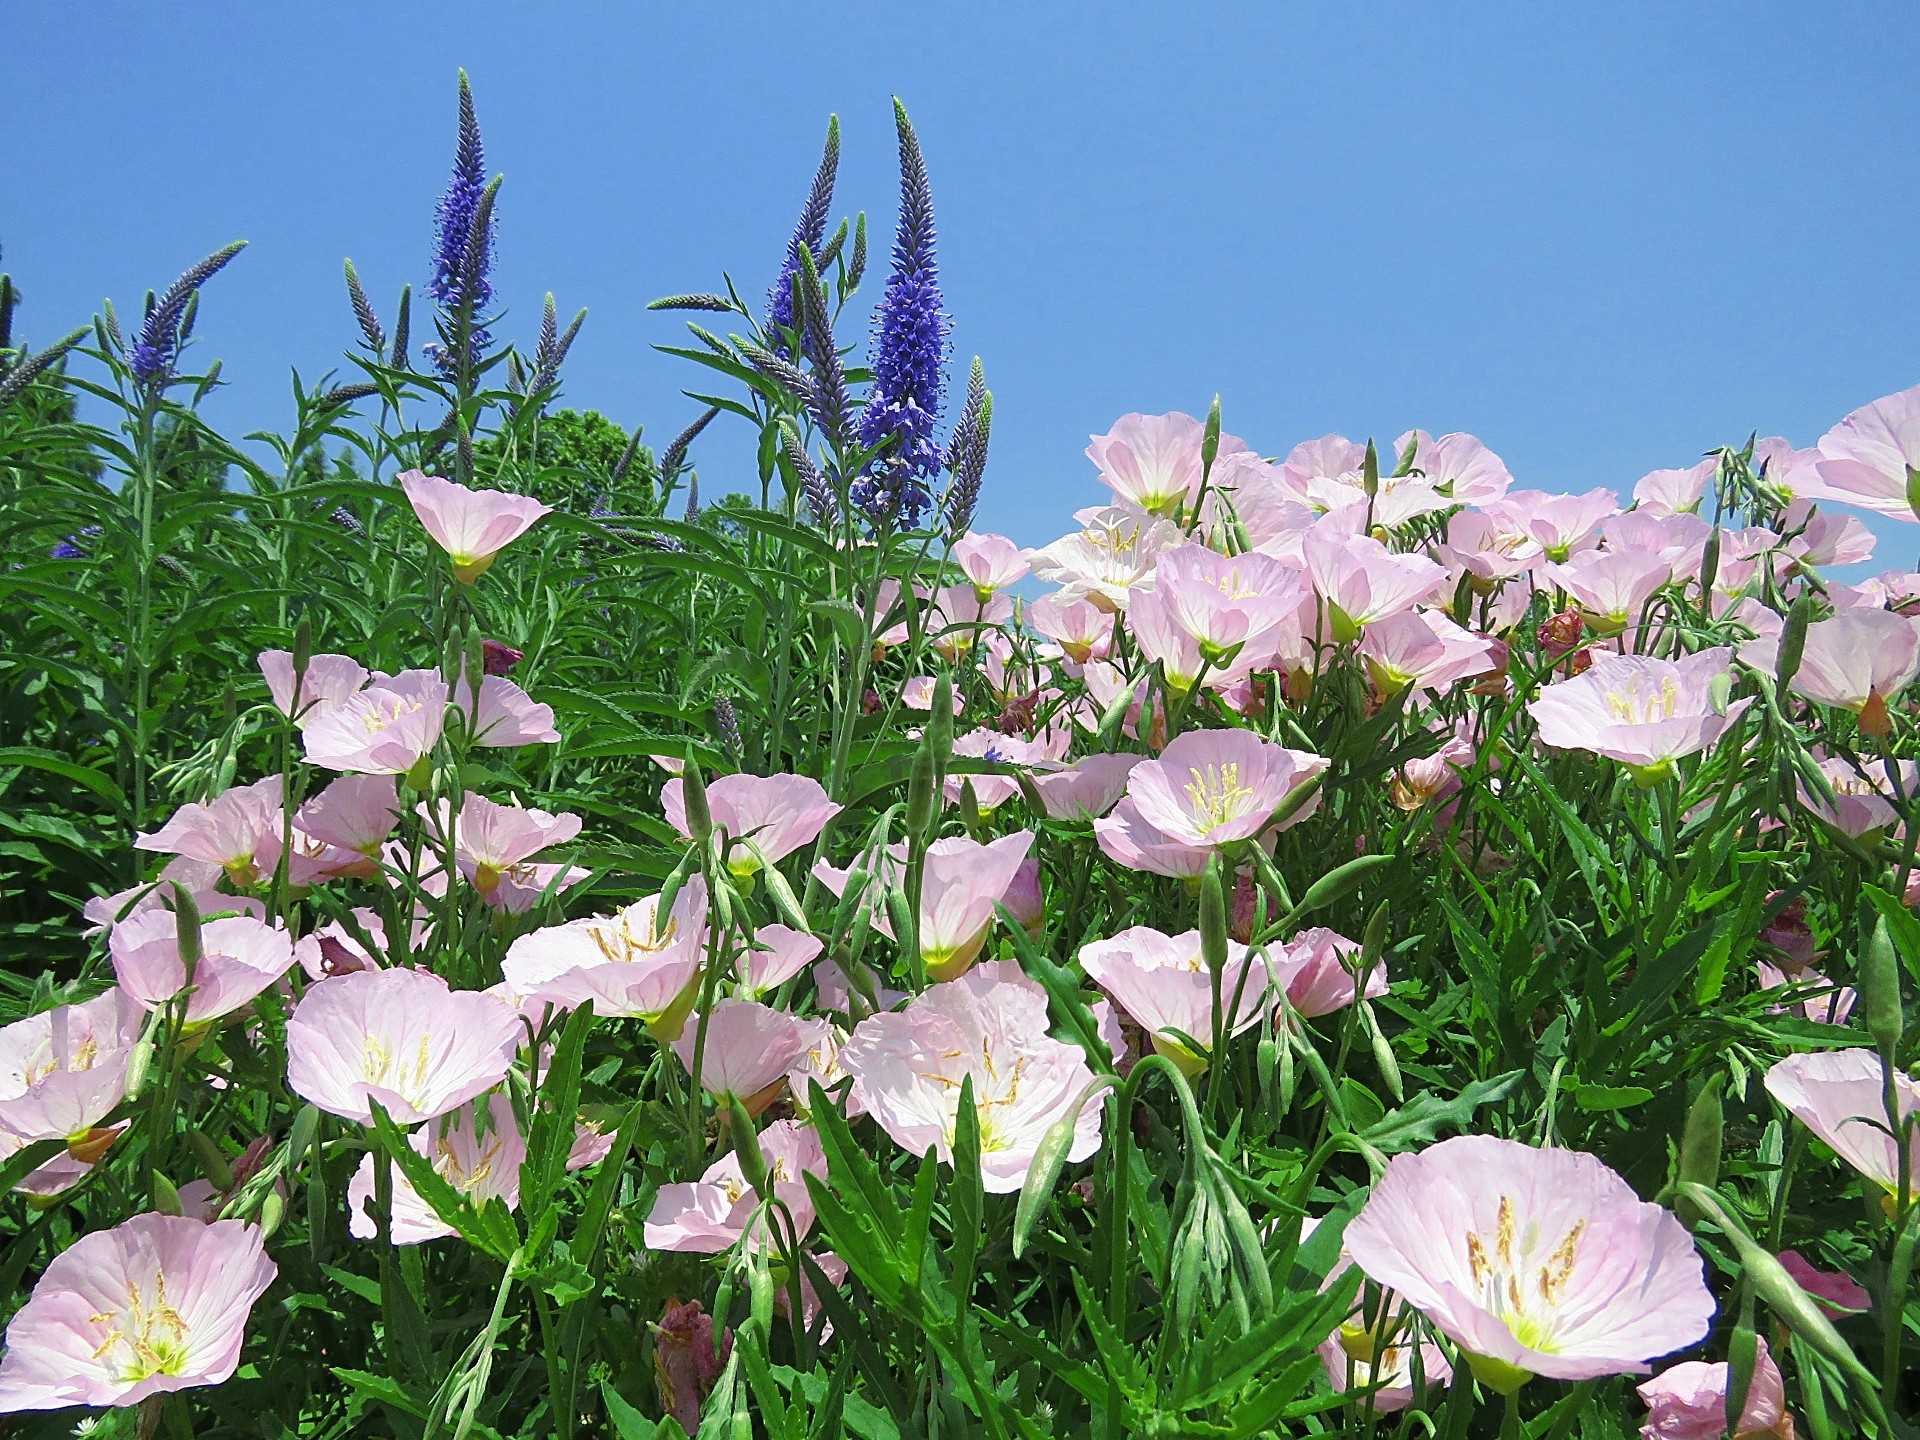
<point x="870" y="703"/>
<point x="1560" y="633"/>
<point x="1579" y="662"/>
<point x="1241" y="909"/>
<point x="685" y="1363"/>
<point x="498" y="659"/>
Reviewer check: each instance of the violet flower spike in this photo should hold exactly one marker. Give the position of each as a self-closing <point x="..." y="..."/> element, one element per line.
<point x="909" y="356"/>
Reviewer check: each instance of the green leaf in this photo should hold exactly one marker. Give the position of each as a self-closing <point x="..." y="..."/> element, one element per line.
<point x="630" y="1424"/>
<point x="551" y="1135"/>
<point x="1609" y="1097"/>
<point x="1418" y="1122"/>
<point x="33" y="758"/>
<point x="489" y="1229"/>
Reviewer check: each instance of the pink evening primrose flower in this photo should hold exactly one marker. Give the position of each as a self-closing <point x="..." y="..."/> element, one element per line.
<point x="1869" y="459"/>
<point x="356" y="813"/>
<point x="778" y="814"/>
<point x="491" y="839"/>
<point x="227" y="831"/>
<point x="1211" y="788"/>
<point x="328" y="682"/>
<point x="962" y="883"/>
<point x="1857" y="660"/>
<point x="1162" y="982"/>
<point x="748" y="1050"/>
<point x="387" y="729"/>
<point x="1840" y="1096"/>
<point x="472" y="526"/>
<point x="1559" y="524"/>
<point x="402" y="1038"/>
<point x="1362" y="581"/>
<point x="1226" y="603"/>
<point x="1154" y="461"/>
<point x="631" y="964"/>
<point x="1316" y="968"/>
<point x="503" y="715"/>
<point x="712" y="1215"/>
<point x="1534" y="1262"/>
<point x="1689" y="1402"/>
<point x="239" y="957"/>
<point x="1125" y="838"/>
<point x="1611" y="588"/>
<point x="989" y="1026"/>
<point x="1458" y="465"/>
<point x="1642" y="711"/>
<point x="158" y="1303"/>
<point x="64" y="1070"/>
<point x="1837" y="1293"/>
<point x="1087" y="789"/>
<point x="1081" y="629"/>
<point x="482" y="1162"/>
<point x="1424" y="648"/>
<point x="1108" y="559"/>
<point x="1675" y="492"/>
<point x="990" y="562"/>
<point x="776" y="954"/>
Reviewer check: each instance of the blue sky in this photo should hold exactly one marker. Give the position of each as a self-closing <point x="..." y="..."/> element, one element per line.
<point x="1602" y="237"/>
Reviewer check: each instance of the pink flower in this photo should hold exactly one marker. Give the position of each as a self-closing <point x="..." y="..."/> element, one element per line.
<point x="1086" y="790"/>
<point x="1689" y="1402"/>
<point x="778" y="814"/>
<point x="64" y="1070"/>
<point x="1081" y="629"/>
<point x="1869" y="458"/>
<point x="1814" y="996"/>
<point x="1127" y="839"/>
<point x="489" y="839"/>
<point x="1162" y="982"/>
<point x="1559" y="524"/>
<point x="1108" y="559"/>
<point x="990" y="562"/>
<point x="1862" y="803"/>
<point x="1858" y="660"/>
<point x="333" y="949"/>
<point x="1839" y="1096"/>
<point x="778" y="953"/>
<point x="1644" y="712"/>
<point x="1424" y="648"/>
<point x="402" y="1038"/>
<point x="226" y="831"/>
<point x="387" y="729"/>
<point x="1153" y="461"/>
<point x="712" y="1215"/>
<point x="962" y="883"/>
<point x="472" y="526"/>
<point x="1532" y="1261"/>
<point x="240" y="957"/>
<point x="1611" y="587"/>
<point x="1226" y="603"/>
<point x="749" y="1049"/>
<point x="1317" y="968"/>
<point x="1213" y="787"/>
<point x="504" y="715"/>
<point x="1459" y="466"/>
<point x="1328" y="474"/>
<point x="629" y="964"/>
<point x="916" y="693"/>
<point x="328" y="682"/>
<point x="990" y="792"/>
<point x="1362" y="581"/>
<point x="1675" y="492"/>
<point x="482" y="1164"/>
<point x="1838" y="1293"/>
<point x="355" y="814"/>
<point x="990" y="1026"/>
<point x="156" y="1304"/>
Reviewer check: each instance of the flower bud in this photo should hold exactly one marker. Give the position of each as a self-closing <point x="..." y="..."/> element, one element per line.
<point x="1880" y="990"/>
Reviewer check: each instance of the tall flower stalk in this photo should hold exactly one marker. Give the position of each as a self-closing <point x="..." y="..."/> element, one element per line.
<point x="909" y="358"/>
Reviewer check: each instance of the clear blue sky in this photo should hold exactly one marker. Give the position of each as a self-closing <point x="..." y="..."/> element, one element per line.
<point x="1602" y="237"/>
